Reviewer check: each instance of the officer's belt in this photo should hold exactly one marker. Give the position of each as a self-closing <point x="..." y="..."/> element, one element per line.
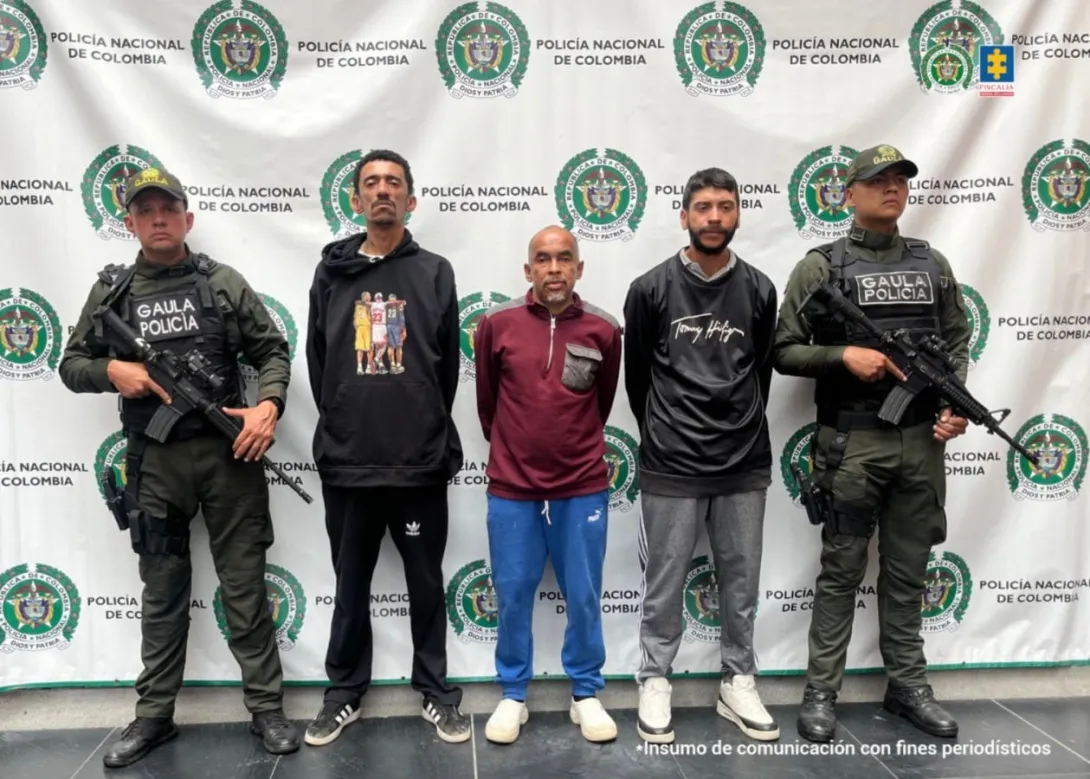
<point x="868" y="420"/>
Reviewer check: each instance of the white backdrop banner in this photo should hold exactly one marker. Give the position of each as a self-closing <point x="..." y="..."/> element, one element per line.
<point x="507" y="114"/>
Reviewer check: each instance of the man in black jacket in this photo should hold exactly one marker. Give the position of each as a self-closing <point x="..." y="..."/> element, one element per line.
<point x="383" y="357"/>
<point x="698" y="344"/>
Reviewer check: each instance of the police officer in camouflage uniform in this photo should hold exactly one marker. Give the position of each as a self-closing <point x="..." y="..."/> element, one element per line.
<point x="879" y="476"/>
<point x="179" y="300"/>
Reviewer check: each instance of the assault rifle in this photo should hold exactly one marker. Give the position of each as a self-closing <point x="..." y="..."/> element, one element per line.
<point x="926" y="363"/>
<point x="187" y="379"/>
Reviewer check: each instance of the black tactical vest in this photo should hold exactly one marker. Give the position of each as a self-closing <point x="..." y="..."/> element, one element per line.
<point x="183" y="318"/>
<point x="902" y="295"/>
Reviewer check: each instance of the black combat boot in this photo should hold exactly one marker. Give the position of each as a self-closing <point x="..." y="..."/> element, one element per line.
<point x="817" y="720"/>
<point x="279" y="736"/>
<point x="918" y="706"/>
<point x="141" y="736"/>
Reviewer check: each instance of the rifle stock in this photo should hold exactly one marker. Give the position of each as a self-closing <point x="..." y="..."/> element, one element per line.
<point x="924" y="361"/>
<point x="185" y="379"/>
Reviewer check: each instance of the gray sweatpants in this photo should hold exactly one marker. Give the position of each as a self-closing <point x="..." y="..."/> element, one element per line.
<point x="669" y="530"/>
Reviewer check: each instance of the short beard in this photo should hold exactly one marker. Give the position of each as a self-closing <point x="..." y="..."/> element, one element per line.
<point x="703" y="248"/>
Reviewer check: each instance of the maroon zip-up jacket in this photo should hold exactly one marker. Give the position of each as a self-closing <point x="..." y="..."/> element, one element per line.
<point x="545" y="388"/>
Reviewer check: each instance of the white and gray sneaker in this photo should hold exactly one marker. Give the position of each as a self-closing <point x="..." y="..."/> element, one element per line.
<point x="654" y="723"/>
<point x="506" y="721"/>
<point x="329" y="723"/>
<point x="451" y="725"/>
<point x="739" y="703"/>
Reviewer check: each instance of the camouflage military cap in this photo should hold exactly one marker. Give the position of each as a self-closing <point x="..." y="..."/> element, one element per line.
<point x="153" y="178"/>
<point x="870" y="162"/>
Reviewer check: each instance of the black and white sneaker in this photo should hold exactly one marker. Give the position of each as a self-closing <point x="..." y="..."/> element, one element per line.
<point x="329" y="723"/>
<point x="451" y="724"/>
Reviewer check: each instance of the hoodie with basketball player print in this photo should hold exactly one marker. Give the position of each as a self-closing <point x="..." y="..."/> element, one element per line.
<point x="383" y="359"/>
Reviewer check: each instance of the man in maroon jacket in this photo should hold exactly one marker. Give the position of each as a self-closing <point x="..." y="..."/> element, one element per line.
<point x="547" y="373"/>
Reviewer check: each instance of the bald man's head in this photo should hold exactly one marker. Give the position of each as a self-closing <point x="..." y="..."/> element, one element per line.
<point x="553" y="267"/>
<point x="549" y="233"/>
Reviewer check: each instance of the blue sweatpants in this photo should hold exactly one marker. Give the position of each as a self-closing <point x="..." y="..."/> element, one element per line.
<point x="572" y="532"/>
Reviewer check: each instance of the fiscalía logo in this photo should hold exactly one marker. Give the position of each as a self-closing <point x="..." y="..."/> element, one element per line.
<point x="1059" y="443"/>
<point x="336" y="192"/>
<point x="111" y="454"/>
<point x="240" y="50"/>
<point x="622" y="468"/>
<point x="1056" y="187"/>
<point x="719" y="49"/>
<point x="287" y="606"/>
<point x="41" y="608"/>
<point x="601" y="195"/>
<point x="30" y="335"/>
<point x="23" y="46"/>
<point x="702" y="602"/>
<point x="470" y="310"/>
<point x="103" y="188"/>
<point x="944" y="43"/>
<point x="471" y="604"/>
<point x="798" y="451"/>
<point x="483" y="51"/>
<point x="947" y="588"/>
<point x="818" y="193"/>
<point x="284" y="322"/>
<point x="980" y="323"/>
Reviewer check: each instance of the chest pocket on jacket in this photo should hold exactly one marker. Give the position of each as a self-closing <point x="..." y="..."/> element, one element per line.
<point x="581" y="364"/>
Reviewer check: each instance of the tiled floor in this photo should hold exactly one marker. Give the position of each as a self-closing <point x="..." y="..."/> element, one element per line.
<point x="1043" y="739"/>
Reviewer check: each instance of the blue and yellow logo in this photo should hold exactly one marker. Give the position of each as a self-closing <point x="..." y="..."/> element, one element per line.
<point x="996" y="64"/>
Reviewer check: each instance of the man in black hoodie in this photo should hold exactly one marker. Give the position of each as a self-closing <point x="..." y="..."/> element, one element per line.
<point x="383" y="357"/>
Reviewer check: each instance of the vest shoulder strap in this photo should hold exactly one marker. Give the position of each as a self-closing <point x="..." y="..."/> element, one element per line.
<point x="211" y="297"/>
<point x="834" y="254"/>
<point x="919" y="249"/>
<point x="205" y="264"/>
<point x="110" y="273"/>
<point x="118" y="277"/>
<point x="825" y="250"/>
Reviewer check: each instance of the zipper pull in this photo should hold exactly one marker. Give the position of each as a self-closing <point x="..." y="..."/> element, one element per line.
<point x="552" y="330"/>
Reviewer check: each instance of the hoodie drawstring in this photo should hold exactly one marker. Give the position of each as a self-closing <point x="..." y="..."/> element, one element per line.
<point x="545" y="511"/>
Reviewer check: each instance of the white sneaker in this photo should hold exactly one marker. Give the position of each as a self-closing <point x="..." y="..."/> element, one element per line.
<point x="506" y="721"/>
<point x="654" y="723"/>
<point x="593" y="720"/>
<point x="739" y="703"/>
